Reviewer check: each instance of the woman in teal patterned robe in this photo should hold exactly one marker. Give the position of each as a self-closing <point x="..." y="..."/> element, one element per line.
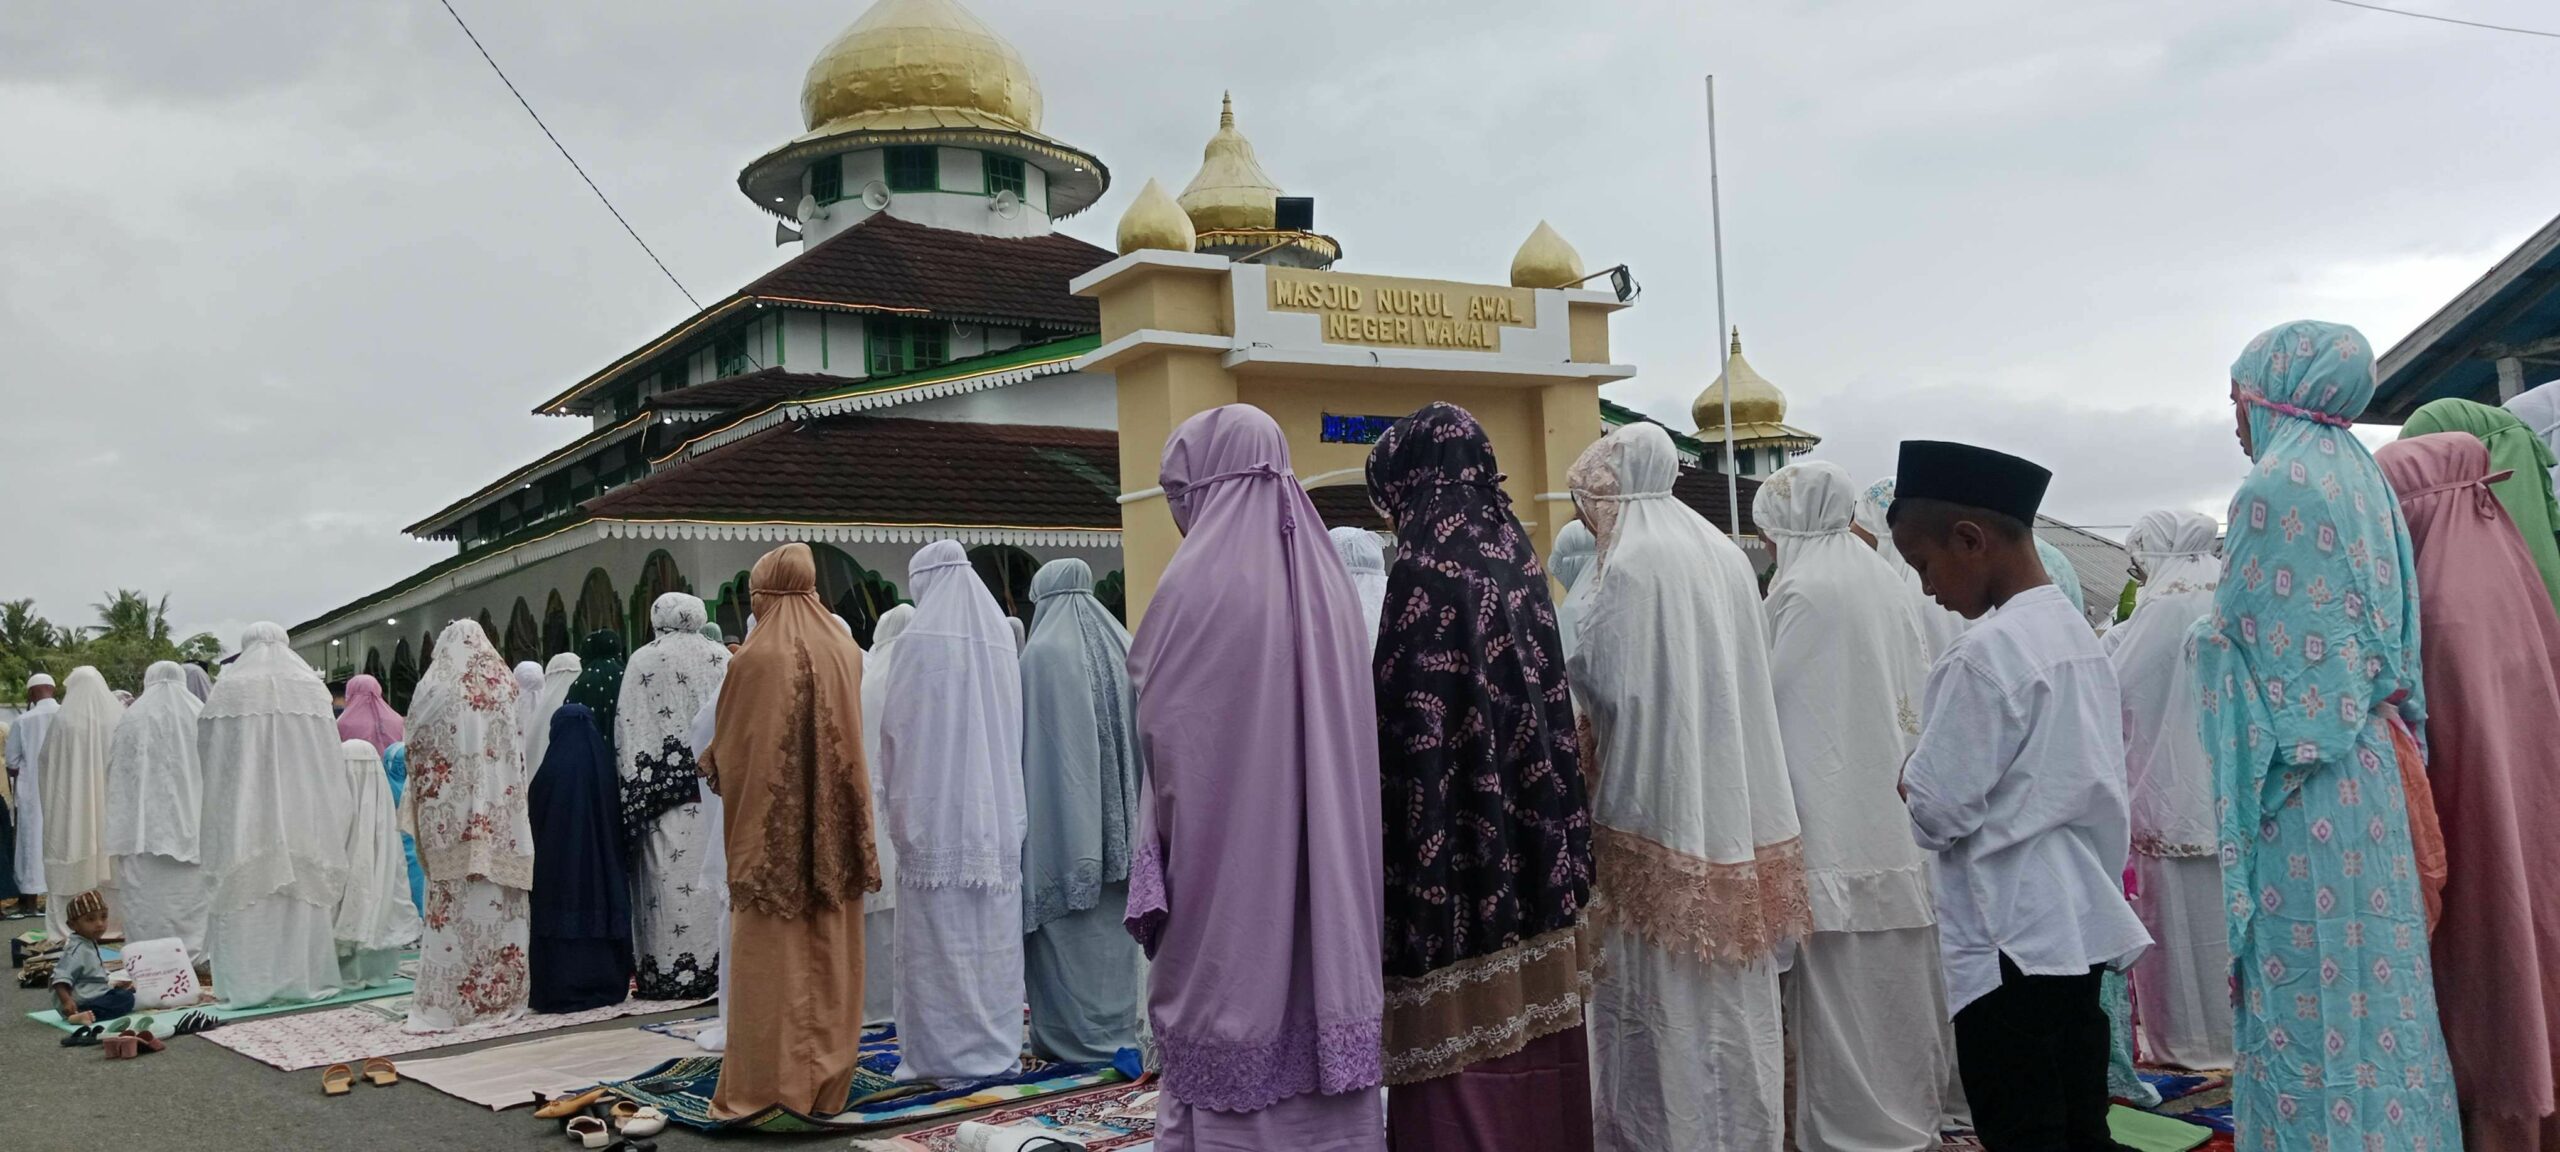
<point x="2306" y="668"/>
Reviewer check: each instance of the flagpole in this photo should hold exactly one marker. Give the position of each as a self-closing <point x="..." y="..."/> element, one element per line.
<point x="1715" y="211"/>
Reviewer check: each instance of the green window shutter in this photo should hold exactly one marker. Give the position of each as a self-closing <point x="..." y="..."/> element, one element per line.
<point x="1004" y="174"/>
<point x="730" y="351"/>
<point x="826" y="180"/>
<point x="914" y="169"/>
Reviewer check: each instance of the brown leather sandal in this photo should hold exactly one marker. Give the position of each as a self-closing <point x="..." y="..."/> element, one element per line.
<point x="337" y="1080"/>
<point x="381" y="1073"/>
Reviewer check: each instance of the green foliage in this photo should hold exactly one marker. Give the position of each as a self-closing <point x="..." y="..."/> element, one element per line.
<point x="132" y="632"/>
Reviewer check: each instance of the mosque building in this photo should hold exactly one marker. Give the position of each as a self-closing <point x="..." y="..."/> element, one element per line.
<point x="938" y="361"/>
<point x="1763" y="441"/>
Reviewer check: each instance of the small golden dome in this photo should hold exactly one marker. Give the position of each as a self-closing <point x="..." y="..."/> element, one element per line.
<point x="1755" y="400"/>
<point x="1155" y="221"/>
<point x="920" y="54"/>
<point x="1545" y="261"/>
<point x="1232" y="190"/>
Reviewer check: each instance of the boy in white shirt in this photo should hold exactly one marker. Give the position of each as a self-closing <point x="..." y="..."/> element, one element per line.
<point x="2017" y="784"/>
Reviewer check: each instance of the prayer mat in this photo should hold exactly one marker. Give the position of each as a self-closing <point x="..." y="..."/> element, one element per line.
<point x="1111" y="1118"/>
<point x="682" y="1089"/>
<point x="2198" y="1098"/>
<point x="348" y="1035"/>
<point x="507" y="1076"/>
<point x="165" y="1020"/>
<point x="2135" y="1129"/>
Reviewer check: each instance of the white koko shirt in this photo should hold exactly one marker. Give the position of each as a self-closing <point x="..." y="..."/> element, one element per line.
<point x="2018" y="785"/>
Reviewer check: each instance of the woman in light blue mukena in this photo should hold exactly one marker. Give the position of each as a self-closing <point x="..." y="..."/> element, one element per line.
<point x="2309" y="686"/>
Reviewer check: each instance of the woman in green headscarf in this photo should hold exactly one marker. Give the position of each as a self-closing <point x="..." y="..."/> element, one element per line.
<point x="2513" y="448"/>
<point x="599" y="684"/>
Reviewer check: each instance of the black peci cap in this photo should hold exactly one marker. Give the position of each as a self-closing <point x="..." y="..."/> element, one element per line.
<point x="1974" y="477"/>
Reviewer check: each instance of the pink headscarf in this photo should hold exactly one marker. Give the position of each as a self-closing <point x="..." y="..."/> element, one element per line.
<point x="2489" y="645"/>
<point x="368" y="716"/>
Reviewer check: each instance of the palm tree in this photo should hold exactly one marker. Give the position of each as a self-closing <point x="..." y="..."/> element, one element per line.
<point x="130" y="615"/>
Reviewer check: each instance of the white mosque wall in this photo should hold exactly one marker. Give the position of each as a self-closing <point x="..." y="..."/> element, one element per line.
<point x="1067" y="400"/>
<point x="961" y="205"/>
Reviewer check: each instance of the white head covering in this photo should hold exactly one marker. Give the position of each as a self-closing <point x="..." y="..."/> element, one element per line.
<point x="1695" y="826"/>
<point x="1848" y="663"/>
<point x="1021" y="635"/>
<point x="74" y="783"/>
<point x="155" y="780"/>
<point x="557" y="678"/>
<point x="1367" y="563"/>
<point x="1938" y="626"/>
<point x="951" y="733"/>
<point x="875" y="693"/>
<point x="375" y="914"/>
<point x="528" y="701"/>
<point x="1080" y="746"/>
<point x="466" y="770"/>
<point x="199" y="682"/>
<point x="39" y="680"/>
<point x="663" y="685"/>
<point x="275" y="810"/>
<point x="1575" y="549"/>
<point x="2539" y="408"/>
<point x="2167" y="773"/>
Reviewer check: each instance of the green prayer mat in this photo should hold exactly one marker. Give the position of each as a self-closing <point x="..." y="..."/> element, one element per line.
<point x="165" y="1020"/>
<point x="2144" y="1132"/>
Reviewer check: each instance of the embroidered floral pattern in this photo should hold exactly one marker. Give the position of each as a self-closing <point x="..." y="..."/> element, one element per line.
<point x="1488" y="1007"/>
<point x="1307" y="1056"/>
<point x="682" y="977"/>
<point x="471" y="965"/>
<point x="1712" y="911"/>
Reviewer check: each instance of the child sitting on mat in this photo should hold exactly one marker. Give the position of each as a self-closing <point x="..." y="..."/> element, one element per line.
<point x="80" y="988"/>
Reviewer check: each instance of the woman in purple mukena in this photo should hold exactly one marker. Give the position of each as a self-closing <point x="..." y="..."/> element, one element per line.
<point x="1256" y="882"/>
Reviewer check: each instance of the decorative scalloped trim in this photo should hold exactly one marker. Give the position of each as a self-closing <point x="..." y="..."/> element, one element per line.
<point x="1231" y="1076"/>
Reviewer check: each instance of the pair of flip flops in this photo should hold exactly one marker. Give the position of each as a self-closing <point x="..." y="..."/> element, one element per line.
<point x="132" y="1042"/>
<point x="597" y="1123"/>
<point x="340" y="1079"/>
<point x="194" y="1022"/>
<point x="96" y="1035"/>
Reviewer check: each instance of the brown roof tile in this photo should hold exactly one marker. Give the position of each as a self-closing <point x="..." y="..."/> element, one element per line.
<point x="879" y="470"/>
<point x="751" y="390"/>
<point x="885" y="262"/>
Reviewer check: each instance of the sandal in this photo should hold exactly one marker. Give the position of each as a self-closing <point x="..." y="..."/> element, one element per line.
<point x="639" y="1120"/>
<point x="568" y="1105"/>
<point x="84" y="1036"/>
<point x="589" y="1131"/>
<point x="120" y="1046"/>
<point x="382" y="1073"/>
<point x="194" y="1022"/>
<point x="147" y="1041"/>
<point x="337" y="1080"/>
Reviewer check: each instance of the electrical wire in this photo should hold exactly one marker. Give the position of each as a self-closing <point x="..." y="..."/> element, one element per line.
<point x="2447" y="19"/>
<point x="564" y="154"/>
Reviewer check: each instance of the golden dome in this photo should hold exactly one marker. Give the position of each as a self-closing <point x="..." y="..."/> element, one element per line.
<point x="1232" y="190"/>
<point x="1755" y="400"/>
<point x="905" y="54"/>
<point x="1545" y="261"/>
<point x="1155" y="221"/>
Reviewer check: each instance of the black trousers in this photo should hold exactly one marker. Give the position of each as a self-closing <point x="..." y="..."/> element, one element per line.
<point x="2033" y="1055"/>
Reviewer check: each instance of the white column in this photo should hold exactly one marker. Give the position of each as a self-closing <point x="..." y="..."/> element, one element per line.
<point x="2510" y="378"/>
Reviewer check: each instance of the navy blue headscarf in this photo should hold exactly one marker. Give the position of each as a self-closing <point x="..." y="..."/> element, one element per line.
<point x="581" y="890"/>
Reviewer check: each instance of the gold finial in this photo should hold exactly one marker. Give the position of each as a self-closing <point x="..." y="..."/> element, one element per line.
<point x="1231" y="190"/>
<point x="1155" y="221"/>
<point x="1737" y="341"/>
<point x="1545" y="261"/>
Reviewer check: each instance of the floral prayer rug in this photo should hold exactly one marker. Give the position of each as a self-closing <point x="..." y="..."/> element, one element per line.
<point x="876" y="1099"/>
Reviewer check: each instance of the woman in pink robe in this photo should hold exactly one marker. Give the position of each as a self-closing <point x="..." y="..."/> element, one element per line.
<point x="2488" y="643"/>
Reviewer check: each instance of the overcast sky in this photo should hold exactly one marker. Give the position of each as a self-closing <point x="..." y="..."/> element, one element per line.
<point x="277" y="278"/>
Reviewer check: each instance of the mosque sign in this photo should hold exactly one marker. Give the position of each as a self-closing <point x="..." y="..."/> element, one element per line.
<point x="1394" y="312"/>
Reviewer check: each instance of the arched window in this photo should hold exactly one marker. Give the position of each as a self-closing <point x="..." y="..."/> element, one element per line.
<point x="599" y="610"/>
<point x="489" y="626"/>
<point x="373" y="663"/>
<point x="1006" y="571"/>
<point x="555" y="628"/>
<point x="731" y="608"/>
<point x="852" y="591"/>
<point x="524" y="637"/>
<point x="658" y="576"/>
<point x="403" y="679"/>
<point x="426" y="652"/>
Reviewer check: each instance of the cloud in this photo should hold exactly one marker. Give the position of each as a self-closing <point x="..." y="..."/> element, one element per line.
<point x="284" y="277"/>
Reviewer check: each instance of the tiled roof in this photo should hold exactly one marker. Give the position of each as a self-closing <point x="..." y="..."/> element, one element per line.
<point x="746" y="391"/>
<point x="885" y="262"/>
<point x="1703" y="489"/>
<point x="880" y="470"/>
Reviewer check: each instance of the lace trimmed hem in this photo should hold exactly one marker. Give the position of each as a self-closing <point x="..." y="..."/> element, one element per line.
<point x="1233" y="1076"/>
<point x="923" y="867"/>
<point x="1712" y="911"/>
<point x="1489" y="1006"/>
<point x="2158" y="848"/>
<point x="658" y="783"/>
<point x="683" y="977"/>
<point x="1147" y="908"/>
<point x="1079" y="890"/>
